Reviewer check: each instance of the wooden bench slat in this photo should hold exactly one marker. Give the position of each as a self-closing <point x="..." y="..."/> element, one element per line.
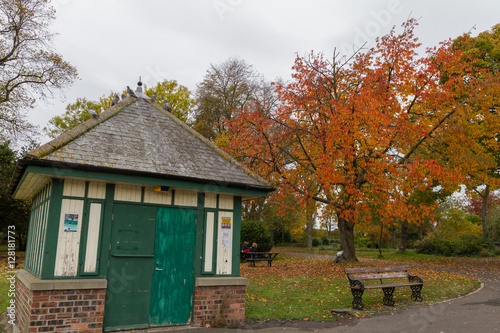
<point x="376" y="269"/>
<point x="392" y="285"/>
<point x="378" y="276"/>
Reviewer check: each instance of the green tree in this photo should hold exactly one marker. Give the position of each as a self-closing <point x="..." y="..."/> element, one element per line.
<point x="29" y="68"/>
<point x="284" y="216"/>
<point x="455" y="223"/>
<point x="12" y="212"/>
<point x="430" y="197"/>
<point x="178" y="97"/>
<point x="482" y="52"/>
<point x="76" y="113"/>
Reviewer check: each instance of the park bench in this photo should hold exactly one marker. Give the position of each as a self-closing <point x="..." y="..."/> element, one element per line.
<point x="357" y="276"/>
<point x="252" y="257"/>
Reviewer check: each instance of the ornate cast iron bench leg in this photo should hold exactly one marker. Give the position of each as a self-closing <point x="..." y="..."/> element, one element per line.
<point x="416" y="290"/>
<point x="388" y="296"/>
<point x="357" y="295"/>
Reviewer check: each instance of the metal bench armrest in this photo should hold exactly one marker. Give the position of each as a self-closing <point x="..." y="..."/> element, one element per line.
<point x="415" y="278"/>
<point x="357" y="284"/>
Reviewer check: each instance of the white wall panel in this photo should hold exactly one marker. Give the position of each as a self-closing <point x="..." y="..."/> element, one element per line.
<point x="97" y="190"/>
<point x="209" y="242"/>
<point x="210" y="200"/>
<point x="224" y="243"/>
<point x="157" y="197"/>
<point x="68" y="244"/>
<point x="186" y="198"/>
<point x="131" y="193"/>
<point x="226" y="201"/>
<point x="74" y="188"/>
<point x="93" y="237"/>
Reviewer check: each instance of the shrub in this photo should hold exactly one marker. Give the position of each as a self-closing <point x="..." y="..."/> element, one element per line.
<point x="361" y="242"/>
<point x="256" y="232"/>
<point x="325" y="240"/>
<point x="469" y="246"/>
<point x="316" y="241"/>
<point x="282" y="236"/>
<point x="332" y="247"/>
<point x="484" y="253"/>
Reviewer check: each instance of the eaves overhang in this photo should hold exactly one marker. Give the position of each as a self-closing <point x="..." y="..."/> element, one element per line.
<point x="57" y="169"/>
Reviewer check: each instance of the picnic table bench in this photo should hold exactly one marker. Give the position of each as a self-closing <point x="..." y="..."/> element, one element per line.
<point x="252" y="257"/>
<point x="357" y="276"/>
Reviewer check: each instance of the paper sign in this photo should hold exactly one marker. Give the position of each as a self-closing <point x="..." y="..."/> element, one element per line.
<point x="226" y="223"/>
<point x="70" y="223"/>
<point x="226" y="231"/>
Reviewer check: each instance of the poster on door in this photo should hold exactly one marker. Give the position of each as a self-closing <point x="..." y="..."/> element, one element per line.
<point x="226" y="231"/>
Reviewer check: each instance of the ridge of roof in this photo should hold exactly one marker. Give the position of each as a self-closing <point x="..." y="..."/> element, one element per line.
<point x="79" y="130"/>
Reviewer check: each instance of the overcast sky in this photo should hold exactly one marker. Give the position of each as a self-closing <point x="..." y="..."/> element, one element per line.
<point x="113" y="42"/>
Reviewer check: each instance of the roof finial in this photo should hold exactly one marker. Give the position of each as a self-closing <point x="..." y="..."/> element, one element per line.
<point x="139" y="92"/>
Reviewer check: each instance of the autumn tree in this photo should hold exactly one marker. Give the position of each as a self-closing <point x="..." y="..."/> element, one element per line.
<point x="29" y="68"/>
<point x="347" y="130"/>
<point x="178" y="97"/>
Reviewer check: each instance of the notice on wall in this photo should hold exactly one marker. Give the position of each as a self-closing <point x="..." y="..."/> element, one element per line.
<point x="226" y="232"/>
<point x="70" y="223"/>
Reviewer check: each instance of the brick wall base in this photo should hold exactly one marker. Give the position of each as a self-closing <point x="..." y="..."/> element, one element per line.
<point x="58" y="310"/>
<point x="219" y="306"/>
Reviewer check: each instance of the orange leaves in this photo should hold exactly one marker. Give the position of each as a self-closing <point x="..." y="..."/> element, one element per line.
<point x="361" y="134"/>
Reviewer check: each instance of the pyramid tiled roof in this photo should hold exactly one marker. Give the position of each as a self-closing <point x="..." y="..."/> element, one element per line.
<point x="137" y="135"/>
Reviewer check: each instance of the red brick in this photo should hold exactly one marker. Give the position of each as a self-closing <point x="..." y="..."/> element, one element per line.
<point x="79" y="326"/>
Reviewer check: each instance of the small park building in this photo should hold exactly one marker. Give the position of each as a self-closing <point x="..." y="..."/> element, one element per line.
<point x="135" y="223"/>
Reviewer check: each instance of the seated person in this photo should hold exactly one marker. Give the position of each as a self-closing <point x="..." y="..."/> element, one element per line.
<point x="244" y="247"/>
<point x="254" y="248"/>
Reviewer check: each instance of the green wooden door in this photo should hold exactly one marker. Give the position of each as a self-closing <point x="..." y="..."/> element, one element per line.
<point x="130" y="269"/>
<point x="173" y="274"/>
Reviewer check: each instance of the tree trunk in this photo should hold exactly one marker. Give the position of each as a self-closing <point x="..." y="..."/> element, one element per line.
<point x="310" y="210"/>
<point x="380" y="240"/>
<point x="404" y="237"/>
<point x="20" y="243"/>
<point x="484" y="210"/>
<point x="346" y="229"/>
<point x="393" y="237"/>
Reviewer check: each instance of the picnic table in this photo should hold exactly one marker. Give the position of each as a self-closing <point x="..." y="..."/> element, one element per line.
<point x="252" y="257"/>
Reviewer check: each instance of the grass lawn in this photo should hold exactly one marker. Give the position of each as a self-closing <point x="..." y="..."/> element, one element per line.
<point x="299" y="288"/>
<point x="5" y="273"/>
